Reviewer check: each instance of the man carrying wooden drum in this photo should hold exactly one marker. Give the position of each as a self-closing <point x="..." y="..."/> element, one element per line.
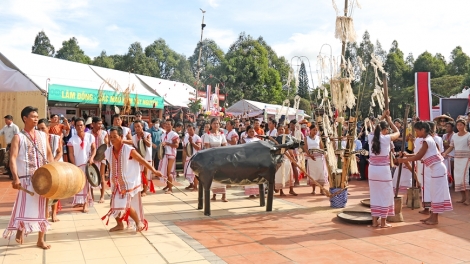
<point x="101" y="137"/>
<point x="126" y="182"/>
<point x="81" y="148"/>
<point x="143" y="143"/>
<point x="29" y="150"/>
<point x="192" y="143"/>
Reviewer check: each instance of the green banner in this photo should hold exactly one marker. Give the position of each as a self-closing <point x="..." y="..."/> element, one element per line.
<point x="73" y="94"/>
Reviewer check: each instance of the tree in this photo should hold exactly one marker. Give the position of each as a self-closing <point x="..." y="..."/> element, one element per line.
<point x="466" y="80"/>
<point x="303" y="89"/>
<point x="135" y="61"/>
<point x="170" y="64"/>
<point x="42" y="45"/>
<point x="72" y="52"/>
<point x="398" y="71"/>
<point x="428" y="63"/>
<point x="459" y="62"/>
<point x="280" y="64"/>
<point x="212" y="57"/>
<point x="104" y="61"/>
<point x="248" y="73"/>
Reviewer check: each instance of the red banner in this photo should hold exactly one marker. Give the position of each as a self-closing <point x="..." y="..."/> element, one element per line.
<point x="423" y="95"/>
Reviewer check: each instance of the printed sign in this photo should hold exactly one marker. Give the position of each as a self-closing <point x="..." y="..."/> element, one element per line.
<point x="73" y="94"/>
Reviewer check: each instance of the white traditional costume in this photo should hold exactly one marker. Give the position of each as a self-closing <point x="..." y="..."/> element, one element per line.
<point x="170" y="153"/>
<point x="29" y="214"/>
<point x="405" y="179"/>
<point x="54" y="141"/>
<point x="423" y="176"/>
<point x="188" y="172"/>
<point x="146" y="179"/>
<point x="81" y="151"/>
<point x="272" y="133"/>
<point x="317" y="168"/>
<point x="99" y="140"/>
<point x="215" y="141"/>
<point x="232" y="135"/>
<point x="126" y="185"/>
<point x="461" y="146"/>
<point x="440" y="197"/>
<point x="284" y="173"/>
<point x="450" y="157"/>
<point x="380" y="179"/>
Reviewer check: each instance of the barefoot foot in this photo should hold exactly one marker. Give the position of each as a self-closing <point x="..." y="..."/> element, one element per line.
<point x="19" y="237"/>
<point x="117" y="228"/>
<point x="101" y="200"/>
<point x="54" y="218"/>
<point x="293" y="193"/>
<point x="43" y="245"/>
<point x="386" y="226"/>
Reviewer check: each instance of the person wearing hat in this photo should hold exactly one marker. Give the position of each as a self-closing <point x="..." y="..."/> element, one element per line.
<point x="304" y="127"/>
<point x="138" y="117"/>
<point x="9" y="131"/>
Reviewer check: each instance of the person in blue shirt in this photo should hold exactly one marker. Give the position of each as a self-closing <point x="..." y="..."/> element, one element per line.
<point x="138" y="117"/>
<point x="156" y="131"/>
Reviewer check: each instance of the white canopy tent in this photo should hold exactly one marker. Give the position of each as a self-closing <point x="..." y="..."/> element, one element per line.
<point x="123" y="80"/>
<point x="173" y="93"/>
<point x="12" y="80"/>
<point x="44" y="70"/>
<point x="253" y="108"/>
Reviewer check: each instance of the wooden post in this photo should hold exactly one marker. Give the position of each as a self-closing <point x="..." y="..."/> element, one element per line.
<point x="387" y="105"/>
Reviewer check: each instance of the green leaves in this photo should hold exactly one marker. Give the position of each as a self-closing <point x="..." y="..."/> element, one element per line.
<point x="72" y="52"/>
<point x="42" y="45"/>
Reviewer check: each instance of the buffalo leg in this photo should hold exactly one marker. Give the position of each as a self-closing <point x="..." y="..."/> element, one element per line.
<point x="207" y="201"/>
<point x="269" y="206"/>
<point x="261" y="195"/>
<point x="200" y="196"/>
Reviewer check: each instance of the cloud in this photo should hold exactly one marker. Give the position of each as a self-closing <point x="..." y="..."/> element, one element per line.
<point x="213" y="3"/>
<point x="223" y="37"/>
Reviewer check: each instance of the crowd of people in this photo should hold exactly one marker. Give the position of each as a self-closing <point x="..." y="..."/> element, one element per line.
<point x="135" y="155"/>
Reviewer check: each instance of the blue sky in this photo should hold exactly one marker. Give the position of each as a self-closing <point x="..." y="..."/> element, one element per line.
<point x="292" y="28"/>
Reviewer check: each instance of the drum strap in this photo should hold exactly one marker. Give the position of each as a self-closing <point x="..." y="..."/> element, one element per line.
<point x="32" y="142"/>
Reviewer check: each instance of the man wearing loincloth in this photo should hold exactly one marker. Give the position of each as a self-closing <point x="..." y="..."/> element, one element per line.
<point x="29" y="150"/>
<point x="126" y="183"/>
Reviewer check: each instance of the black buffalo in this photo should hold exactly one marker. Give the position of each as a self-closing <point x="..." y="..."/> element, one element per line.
<point x="252" y="163"/>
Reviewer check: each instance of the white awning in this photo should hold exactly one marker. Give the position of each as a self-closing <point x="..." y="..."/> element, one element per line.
<point x="173" y="93"/>
<point x="123" y="80"/>
<point x="253" y="108"/>
<point x="14" y="81"/>
<point x="43" y="70"/>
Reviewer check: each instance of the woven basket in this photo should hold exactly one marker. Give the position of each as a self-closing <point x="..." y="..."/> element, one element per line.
<point x="340" y="200"/>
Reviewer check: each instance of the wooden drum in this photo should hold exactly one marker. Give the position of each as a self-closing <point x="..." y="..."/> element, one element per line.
<point x="58" y="180"/>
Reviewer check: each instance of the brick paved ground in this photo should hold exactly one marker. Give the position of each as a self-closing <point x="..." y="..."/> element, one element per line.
<point x="300" y="229"/>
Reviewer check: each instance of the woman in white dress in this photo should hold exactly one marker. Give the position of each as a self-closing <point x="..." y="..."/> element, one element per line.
<point x="284" y="174"/>
<point x="380" y="176"/>
<point x="214" y="139"/>
<point x="252" y="189"/>
<point x="432" y="159"/>
<point x="206" y="128"/>
<point x="461" y="144"/>
<point x="316" y="162"/>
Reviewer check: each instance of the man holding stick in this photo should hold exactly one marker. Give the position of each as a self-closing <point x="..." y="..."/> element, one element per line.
<point x="30" y="150"/>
